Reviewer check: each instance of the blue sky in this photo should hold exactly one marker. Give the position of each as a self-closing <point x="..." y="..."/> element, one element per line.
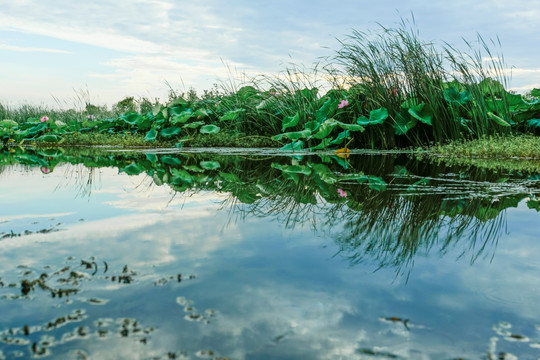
<point x="103" y="51"/>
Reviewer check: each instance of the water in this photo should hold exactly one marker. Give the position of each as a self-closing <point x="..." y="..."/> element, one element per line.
<point x="142" y="256"/>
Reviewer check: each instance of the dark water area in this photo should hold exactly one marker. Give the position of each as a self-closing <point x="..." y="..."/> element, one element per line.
<point x="256" y="255"/>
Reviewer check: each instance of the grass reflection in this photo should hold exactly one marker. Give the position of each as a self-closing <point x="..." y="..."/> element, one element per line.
<point x="383" y="209"/>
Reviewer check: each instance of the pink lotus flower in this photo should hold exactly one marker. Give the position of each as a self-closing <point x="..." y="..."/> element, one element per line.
<point x="342" y="104"/>
<point x="45" y="170"/>
<point x="91" y="117"/>
<point x="341" y="193"/>
<point x="43" y="119"/>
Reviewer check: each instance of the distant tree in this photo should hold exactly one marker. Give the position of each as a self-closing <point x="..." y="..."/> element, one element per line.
<point x="126" y="105"/>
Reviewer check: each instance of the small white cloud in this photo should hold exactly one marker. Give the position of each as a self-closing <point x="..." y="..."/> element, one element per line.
<point x="32" y="49"/>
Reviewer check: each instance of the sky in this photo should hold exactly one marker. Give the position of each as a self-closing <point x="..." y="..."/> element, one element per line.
<point x="62" y="53"/>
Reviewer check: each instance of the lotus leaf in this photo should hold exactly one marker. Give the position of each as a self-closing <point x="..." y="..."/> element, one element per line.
<point x="341" y="136"/>
<point x="131" y="118"/>
<point x="231" y="178"/>
<point x="202" y="113"/>
<point x="181" y="117"/>
<point x="421" y="112"/>
<point x="170" y="131"/>
<point x="294" y="146"/>
<point x="312" y="125"/>
<point x="452" y="95"/>
<point x="533" y="122"/>
<point x="375" y="117"/>
<point x="193" y="125"/>
<point x="50" y="138"/>
<point x="151" y="135"/>
<point x="170" y="160"/>
<point x="8" y="123"/>
<point x="210" y="165"/>
<point x="209" y="129"/>
<point x="231" y="115"/>
<point x="324" y="173"/>
<point x="295" y="169"/>
<point x="246" y="92"/>
<point x="290" y="121"/>
<point x="325" y="129"/>
<point x="193" y="168"/>
<point x="293" y="135"/>
<point x="132" y="169"/>
<point x="180" y="176"/>
<point x="326" y="110"/>
<point x="323" y="145"/>
<point x="404" y="122"/>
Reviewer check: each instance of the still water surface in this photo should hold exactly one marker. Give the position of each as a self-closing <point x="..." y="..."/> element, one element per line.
<point x="244" y="257"/>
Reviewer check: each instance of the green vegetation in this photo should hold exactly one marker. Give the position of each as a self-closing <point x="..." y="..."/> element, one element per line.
<point x="522" y="147"/>
<point x="388" y="90"/>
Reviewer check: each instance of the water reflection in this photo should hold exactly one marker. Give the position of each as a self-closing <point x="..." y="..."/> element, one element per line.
<point x="235" y="257"/>
<point x="381" y="209"/>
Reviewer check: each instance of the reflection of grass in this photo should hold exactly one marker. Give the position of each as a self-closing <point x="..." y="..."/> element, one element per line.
<point x="511" y="153"/>
<point x="137" y="140"/>
<point x="523" y="146"/>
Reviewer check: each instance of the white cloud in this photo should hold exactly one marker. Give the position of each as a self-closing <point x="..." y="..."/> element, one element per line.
<point x="137" y="45"/>
<point x="32" y="49"/>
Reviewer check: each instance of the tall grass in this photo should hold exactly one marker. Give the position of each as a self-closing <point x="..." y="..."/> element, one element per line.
<point x="394" y="66"/>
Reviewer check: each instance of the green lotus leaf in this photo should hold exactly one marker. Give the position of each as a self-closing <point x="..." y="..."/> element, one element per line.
<point x="231" y="178"/>
<point x="421" y="112"/>
<point x="376" y="116"/>
<point x="210" y="165"/>
<point x="53" y="152"/>
<point x="202" y="113"/>
<point x="290" y="121"/>
<point x="193" y="168"/>
<point x="170" y="131"/>
<point x="50" y="138"/>
<point x="181" y="117"/>
<point x="246" y="92"/>
<point x="324" y="173"/>
<point x="231" y="115"/>
<point x="151" y="135"/>
<point x="294" y="169"/>
<point x="341" y="136"/>
<point x="376" y="183"/>
<point x="294" y="146"/>
<point x="325" y="129"/>
<point x="452" y="95"/>
<point x="131" y="118"/>
<point x="193" y="125"/>
<point x="8" y="123"/>
<point x="293" y="135"/>
<point x="535" y="92"/>
<point x="180" y="176"/>
<point x="151" y="157"/>
<point x="404" y="122"/>
<point x="170" y="160"/>
<point x="247" y="197"/>
<point x="209" y="129"/>
<point x="323" y="145"/>
<point x="312" y="125"/>
<point x="514" y="99"/>
<point x="327" y="109"/>
<point x="351" y="127"/>
<point x="533" y="122"/>
<point x="132" y="169"/>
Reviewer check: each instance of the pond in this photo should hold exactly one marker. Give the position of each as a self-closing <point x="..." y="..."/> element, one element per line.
<point x="258" y="255"/>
